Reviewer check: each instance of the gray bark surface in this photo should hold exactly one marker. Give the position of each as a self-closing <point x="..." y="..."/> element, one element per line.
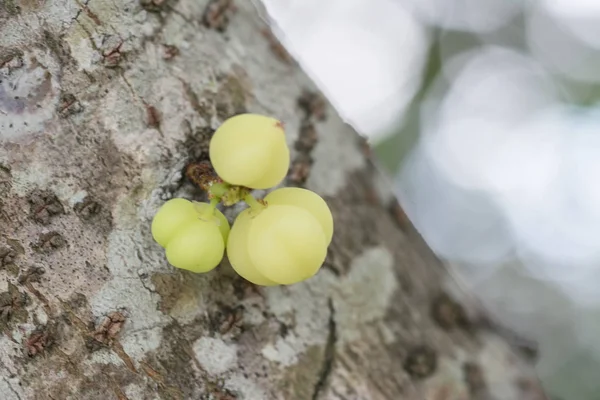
<point x="102" y="105"/>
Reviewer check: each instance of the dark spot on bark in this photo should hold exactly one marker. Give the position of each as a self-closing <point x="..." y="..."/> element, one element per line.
<point x="228" y="320"/>
<point x="39" y="340"/>
<point x="155" y="5"/>
<point x="242" y="289"/>
<point x="7" y="255"/>
<point x="49" y="241"/>
<point x="58" y="47"/>
<point x="9" y="8"/>
<point x="300" y="170"/>
<point x="44" y="205"/>
<point x="68" y="105"/>
<point x="87" y="209"/>
<point x="219" y="393"/>
<point x="10" y="59"/>
<point x="474" y="378"/>
<point x="217" y="14"/>
<point x="93" y="345"/>
<point x="32" y="274"/>
<point x="276" y="47"/>
<point x="112" y="56"/>
<point x="109" y="328"/>
<point x="12" y="307"/>
<point x="307" y="138"/>
<point x="170" y="51"/>
<point x="313" y="105"/>
<point x="448" y="313"/>
<point x="421" y="362"/>
<point x="152" y="116"/>
<point x="78" y="301"/>
<point x="283" y="330"/>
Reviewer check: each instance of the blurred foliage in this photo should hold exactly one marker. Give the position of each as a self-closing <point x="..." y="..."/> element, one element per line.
<point x="392" y="150"/>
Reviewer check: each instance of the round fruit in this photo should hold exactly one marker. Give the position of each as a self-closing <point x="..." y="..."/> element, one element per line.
<point x="198" y="247"/>
<point x="308" y="200"/>
<point x="193" y="234"/>
<point x="286" y="244"/>
<point x="237" y="251"/>
<point x="250" y="150"/>
<point x="170" y="218"/>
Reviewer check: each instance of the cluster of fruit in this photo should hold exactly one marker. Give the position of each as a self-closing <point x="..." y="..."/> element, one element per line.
<point x="281" y="239"/>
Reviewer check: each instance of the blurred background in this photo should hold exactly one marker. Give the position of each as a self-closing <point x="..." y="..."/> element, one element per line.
<point x="486" y="113"/>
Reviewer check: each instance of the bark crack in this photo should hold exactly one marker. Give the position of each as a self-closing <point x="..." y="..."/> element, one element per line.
<point x="329" y="354"/>
<point x="11" y="388"/>
<point x="82" y="6"/>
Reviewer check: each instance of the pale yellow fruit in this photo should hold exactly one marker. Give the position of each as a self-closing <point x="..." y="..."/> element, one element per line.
<point x="250" y="150"/>
<point x="170" y="218"/>
<point x="286" y="244"/>
<point x="193" y="234"/>
<point x="237" y="251"/>
<point x="308" y="200"/>
<point x="198" y="247"/>
<point x="218" y="217"/>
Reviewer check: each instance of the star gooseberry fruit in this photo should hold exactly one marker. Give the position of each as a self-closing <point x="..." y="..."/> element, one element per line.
<point x="250" y="150"/>
<point x="283" y="242"/>
<point x="193" y="234"/>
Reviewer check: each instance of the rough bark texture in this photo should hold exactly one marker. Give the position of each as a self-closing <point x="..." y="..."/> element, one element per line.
<point x="102" y="104"/>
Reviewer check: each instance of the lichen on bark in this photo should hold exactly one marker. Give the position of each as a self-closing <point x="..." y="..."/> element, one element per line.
<point x="102" y="106"/>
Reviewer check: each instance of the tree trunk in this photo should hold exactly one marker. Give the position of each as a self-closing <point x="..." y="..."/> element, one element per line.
<point x="102" y="105"/>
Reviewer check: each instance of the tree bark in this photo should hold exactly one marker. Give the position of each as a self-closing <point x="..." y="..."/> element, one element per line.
<point x="102" y="105"/>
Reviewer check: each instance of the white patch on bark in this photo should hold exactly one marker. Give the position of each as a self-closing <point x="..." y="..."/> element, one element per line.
<point x="365" y="294"/>
<point x="127" y="291"/>
<point x="214" y="355"/>
<point x="50" y="15"/>
<point x="249" y="389"/>
<point x="361" y="297"/>
<point x="35" y="73"/>
<point x="137" y="344"/>
<point x="448" y="381"/>
<point x="81" y="48"/>
<point x="502" y="366"/>
<point x="8" y="353"/>
<point x="77" y="198"/>
<point x="336" y="154"/>
<point x="10" y="389"/>
<point x="310" y="323"/>
<point x="102" y="356"/>
<point x="133" y="391"/>
<point x="283" y="351"/>
<point x="37" y="175"/>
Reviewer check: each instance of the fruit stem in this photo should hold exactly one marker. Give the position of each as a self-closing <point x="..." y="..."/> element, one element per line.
<point x="254" y="204"/>
<point x="210" y="211"/>
<point x="213" y="204"/>
<point x="218" y="189"/>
